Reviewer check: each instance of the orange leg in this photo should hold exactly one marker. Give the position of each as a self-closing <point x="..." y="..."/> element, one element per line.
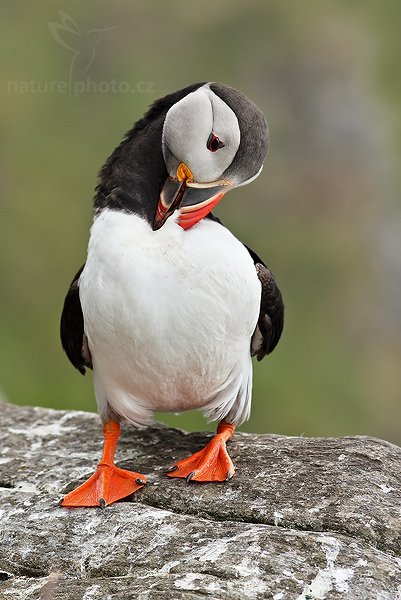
<point x="108" y="483"/>
<point x="210" y="464"/>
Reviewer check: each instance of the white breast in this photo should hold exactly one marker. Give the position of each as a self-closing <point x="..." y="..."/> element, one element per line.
<point x="169" y="317"/>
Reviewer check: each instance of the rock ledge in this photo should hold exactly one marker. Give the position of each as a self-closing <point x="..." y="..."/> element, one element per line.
<point x="303" y="519"/>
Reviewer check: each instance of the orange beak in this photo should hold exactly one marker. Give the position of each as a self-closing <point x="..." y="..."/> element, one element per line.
<point x="195" y="200"/>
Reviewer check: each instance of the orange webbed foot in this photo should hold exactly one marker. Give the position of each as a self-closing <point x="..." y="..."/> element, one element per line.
<point x="212" y="463"/>
<point x="108" y="484"/>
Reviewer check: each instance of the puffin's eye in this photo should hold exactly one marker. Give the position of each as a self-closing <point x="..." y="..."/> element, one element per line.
<point x="214" y="143"/>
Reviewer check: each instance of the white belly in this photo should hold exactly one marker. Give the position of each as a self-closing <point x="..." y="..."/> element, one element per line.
<point x="169" y="317"/>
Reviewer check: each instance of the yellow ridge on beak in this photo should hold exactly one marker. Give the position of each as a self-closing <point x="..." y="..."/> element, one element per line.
<point x="184" y="173"/>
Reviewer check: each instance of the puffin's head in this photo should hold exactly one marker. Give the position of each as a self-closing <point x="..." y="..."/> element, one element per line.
<point x="213" y="139"/>
<point x="188" y="150"/>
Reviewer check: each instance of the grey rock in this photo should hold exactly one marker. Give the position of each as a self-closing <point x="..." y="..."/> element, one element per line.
<point x="302" y="519"/>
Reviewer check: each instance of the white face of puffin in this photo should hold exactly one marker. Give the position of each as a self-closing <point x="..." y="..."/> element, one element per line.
<point x="201" y="137"/>
<point x="201" y="131"/>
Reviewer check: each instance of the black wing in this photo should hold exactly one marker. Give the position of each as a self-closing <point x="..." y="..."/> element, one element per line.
<point x="271" y="317"/>
<point x="73" y="338"/>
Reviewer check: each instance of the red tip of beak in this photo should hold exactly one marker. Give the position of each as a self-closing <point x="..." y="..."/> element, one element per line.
<point x="190" y="215"/>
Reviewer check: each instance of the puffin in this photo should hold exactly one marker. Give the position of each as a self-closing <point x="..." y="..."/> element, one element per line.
<point x="170" y="307"/>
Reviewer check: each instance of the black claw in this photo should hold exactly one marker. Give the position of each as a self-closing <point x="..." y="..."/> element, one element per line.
<point x="102" y="503"/>
<point x="171" y="469"/>
<point x="229" y="475"/>
<point x="140" y="481"/>
<point x="189" y="477"/>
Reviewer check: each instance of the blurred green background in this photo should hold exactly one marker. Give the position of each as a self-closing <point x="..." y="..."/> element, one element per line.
<point x="325" y="214"/>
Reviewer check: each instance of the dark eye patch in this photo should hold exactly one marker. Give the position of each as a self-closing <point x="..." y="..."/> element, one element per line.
<point x="214" y="143"/>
